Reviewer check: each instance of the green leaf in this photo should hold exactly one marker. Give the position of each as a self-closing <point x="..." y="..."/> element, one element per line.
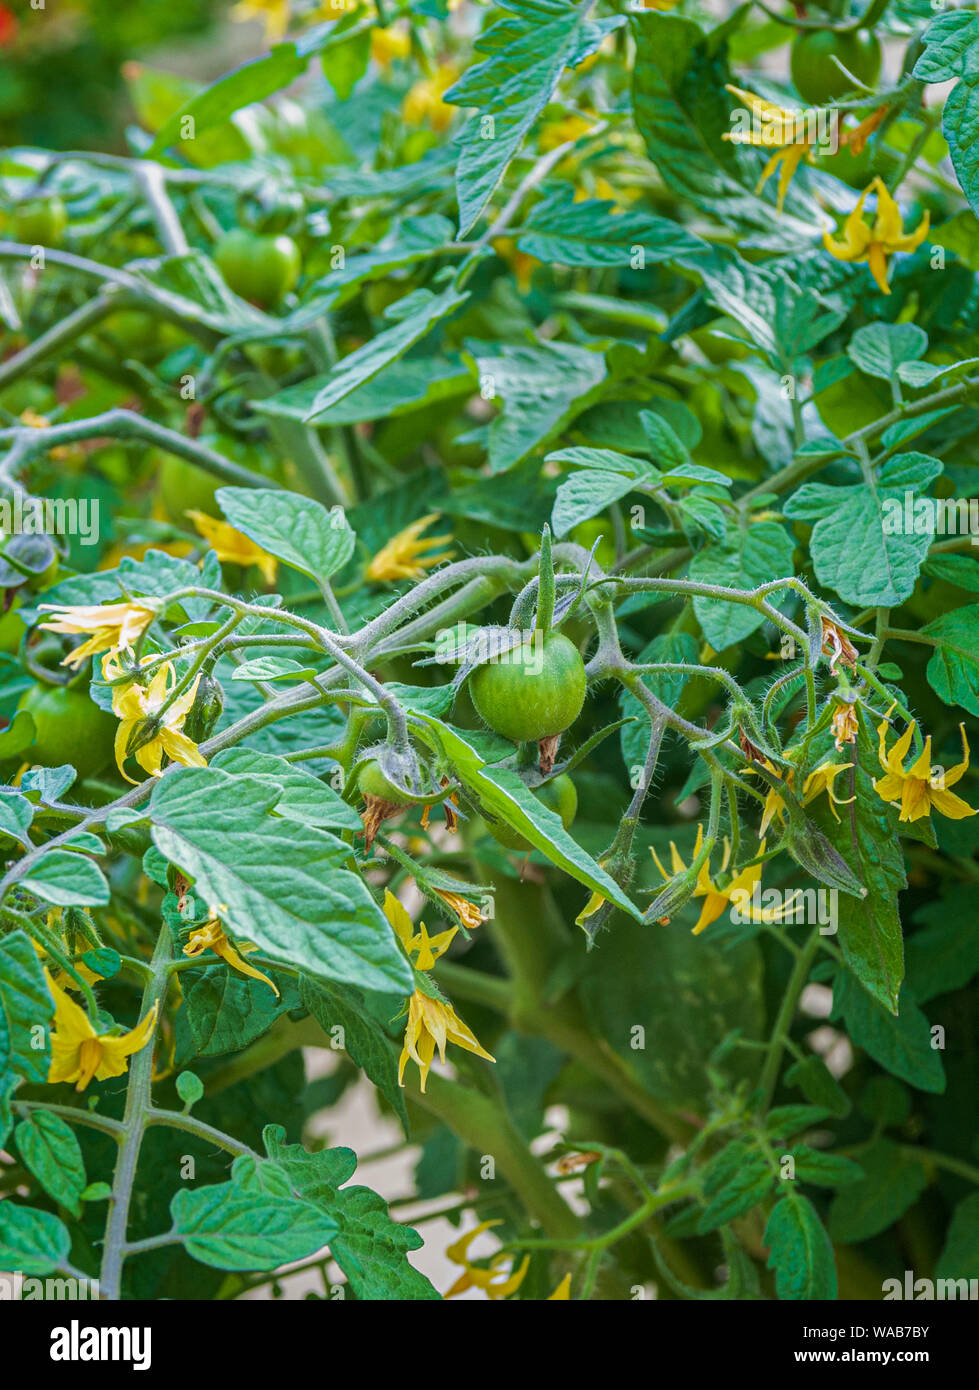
<point x="400" y="388"/>
<point x="245" y="85"/>
<point x="506" y="796"/>
<point x="227" y="1011"/>
<point x="280" y="884"/>
<point x="364" y="1040"/>
<point x="799" y="1250"/>
<point x="892" y="1182"/>
<point x="413" y="241"/>
<point x="713" y="989"/>
<point x="818" y="1084"/>
<point x="66" y="879"/>
<point x="951" y="48"/>
<point x="879" y="349"/>
<point x="591" y="233"/>
<point x="960" y="1256"/>
<point x="25" y="1006"/>
<point x="824" y="1169"/>
<point x="953" y="670"/>
<point x="364" y="363"/>
<point x="370" y="1247"/>
<point x="34" y="1242"/>
<point x="16" y="814"/>
<point x="51" y="1152"/>
<point x="945" y="955"/>
<point x="542" y="388"/>
<point x="190" y="1088"/>
<point x="748" y="1185"/>
<point x="864" y="834"/>
<point x="526" y="53"/>
<point x="960" y="126"/>
<point x="750" y="556"/>
<point x="902" y="1044"/>
<point x="305" y="798"/>
<point x="860" y="545"/>
<point x="296" y="529"/>
<point x="585" y="495"/>
<point x="230" y="1227"/>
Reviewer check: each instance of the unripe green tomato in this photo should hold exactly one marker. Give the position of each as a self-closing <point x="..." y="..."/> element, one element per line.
<point x="11" y="629"/>
<point x="184" y="487"/>
<point x="559" y="795"/>
<point x="817" y="78"/>
<point x="259" y="268"/>
<point x="39" y="222"/>
<point x="70" y="728"/>
<point x="372" y="782"/>
<point x="533" y="693"/>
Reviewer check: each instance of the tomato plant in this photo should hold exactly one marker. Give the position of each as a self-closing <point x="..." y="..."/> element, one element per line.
<point x="495" y="486"/>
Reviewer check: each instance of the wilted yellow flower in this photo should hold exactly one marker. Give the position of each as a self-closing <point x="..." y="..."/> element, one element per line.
<point x="211" y="937"/>
<point x="468" y="913"/>
<point x="432" y="1023"/>
<point x="137" y="705"/>
<point x="837" y="646"/>
<point x="717" y="899"/>
<point x="485" y="1277"/>
<point x="874" y="243"/>
<point x="78" y="1052"/>
<point x="917" y="790"/>
<point x="856" y="139"/>
<point x="845" y="725"/>
<point x="113" y="626"/>
<point x="274" y="14"/>
<point x="404" y="555"/>
<point x="771" y="126"/>
<point x="233" y="546"/>
<point x="423" y="102"/>
<point x="562" y="1292"/>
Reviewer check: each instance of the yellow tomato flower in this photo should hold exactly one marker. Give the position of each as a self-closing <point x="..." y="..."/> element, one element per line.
<point x="562" y="132"/>
<point x="136" y="704"/>
<point x="914" y="789"/>
<point x="884" y="237"/>
<point x="562" y="1292"/>
<point x="274" y="14"/>
<point x="423" y="103"/>
<point x="404" y="555"/>
<point x="429" y="948"/>
<point x="113" y="626"/>
<point x="79" y="1053"/>
<point x="390" y="44"/>
<point x="718" y="899"/>
<point x="231" y="545"/>
<point x="820" y="780"/>
<point x="432" y="1023"/>
<point x="486" y="1278"/>
<point x="773" y="125"/>
<point x="211" y="937"/>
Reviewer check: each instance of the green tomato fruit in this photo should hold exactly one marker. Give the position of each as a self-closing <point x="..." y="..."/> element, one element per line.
<point x="534" y="693"/>
<point x="11" y="629"/>
<point x="39" y="222"/>
<point x="183" y="487"/>
<point x="70" y="728"/>
<point x="260" y="268"/>
<point x="559" y="795"/>
<point x="372" y="782"/>
<point x="817" y="78"/>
